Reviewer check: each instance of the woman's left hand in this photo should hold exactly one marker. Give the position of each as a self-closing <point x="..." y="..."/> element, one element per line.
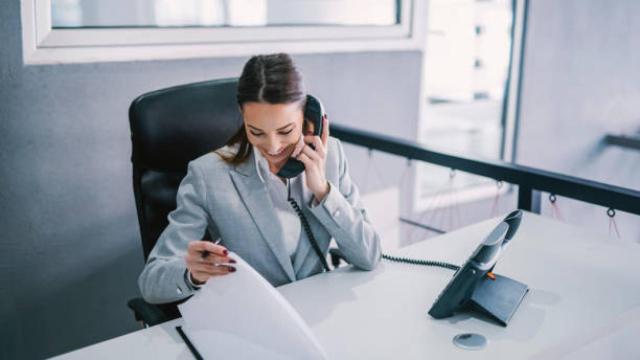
<point x="314" y="161"/>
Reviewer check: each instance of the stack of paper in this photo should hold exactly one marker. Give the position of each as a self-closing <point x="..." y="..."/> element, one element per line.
<point x="242" y="316"/>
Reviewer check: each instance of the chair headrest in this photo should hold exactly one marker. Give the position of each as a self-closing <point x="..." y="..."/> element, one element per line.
<point x="173" y="126"/>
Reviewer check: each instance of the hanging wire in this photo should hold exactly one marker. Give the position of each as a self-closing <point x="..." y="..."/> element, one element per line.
<point x="432" y="216"/>
<point x="366" y="186"/>
<point x="611" y="213"/>
<point x="432" y="202"/>
<point x="401" y="185"/>
<point x="377" y="171"/>
<point x="402" y="180"/>
<point x="428" y="216"/>
<point x="420" y="219"/>
<point x="440" y="213"/>
<point x="495" y="207"/>
<point x="372" y="165"/>
<point x="555" y="209"/>
<point x="374" y="170"/>
<point x="403" y="176"/>
<point x="452" y="209"/>
<point x="457" y="209"/>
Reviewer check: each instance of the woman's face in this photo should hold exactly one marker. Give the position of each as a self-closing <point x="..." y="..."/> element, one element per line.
<point x="274" y="129"/>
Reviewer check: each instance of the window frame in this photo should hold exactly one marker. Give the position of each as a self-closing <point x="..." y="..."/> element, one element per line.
<point x="43" y="44"/>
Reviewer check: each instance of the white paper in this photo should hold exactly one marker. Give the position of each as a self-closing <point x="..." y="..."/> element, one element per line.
<point x="242" y="316"/>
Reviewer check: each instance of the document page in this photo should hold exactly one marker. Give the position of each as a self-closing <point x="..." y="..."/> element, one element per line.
<point x="242" y="316"/>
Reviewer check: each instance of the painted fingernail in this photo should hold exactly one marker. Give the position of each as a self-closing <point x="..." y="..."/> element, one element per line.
<point x="232" y="269"/>
<point x="232" y="261"/>
<point x="225" y="252"/>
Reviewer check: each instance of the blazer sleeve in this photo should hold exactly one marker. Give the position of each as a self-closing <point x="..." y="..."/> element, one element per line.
<point x="163" y="277"/>
<point x="343" y="215"/>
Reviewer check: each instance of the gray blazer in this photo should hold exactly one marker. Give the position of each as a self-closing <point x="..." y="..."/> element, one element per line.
<point x="233" y="205"/>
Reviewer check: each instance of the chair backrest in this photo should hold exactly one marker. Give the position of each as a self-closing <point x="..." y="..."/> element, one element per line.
<point x="169" y="128"/>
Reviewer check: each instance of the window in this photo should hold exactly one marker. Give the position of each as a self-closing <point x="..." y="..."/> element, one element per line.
<point x="110" y="30"/>
<point x="471" y="72"/>
<point x="167" y="13"/>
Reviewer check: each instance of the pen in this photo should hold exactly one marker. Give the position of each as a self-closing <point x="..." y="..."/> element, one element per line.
<point x="205" y="253"/>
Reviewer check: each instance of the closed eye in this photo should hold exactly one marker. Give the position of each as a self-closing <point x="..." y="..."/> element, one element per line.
<point x="256" y="134"/>
<point x="286" y="132"/>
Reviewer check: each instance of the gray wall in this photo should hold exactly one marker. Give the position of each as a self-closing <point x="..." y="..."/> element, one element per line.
<point x="70" y="249"/>
<point x="581" y="81"/>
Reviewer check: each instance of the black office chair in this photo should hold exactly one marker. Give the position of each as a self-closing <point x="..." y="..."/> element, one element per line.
<point x="169" y="128"/>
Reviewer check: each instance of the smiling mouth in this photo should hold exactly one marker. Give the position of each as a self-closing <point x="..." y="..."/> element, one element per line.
<point x="278" y="155"/>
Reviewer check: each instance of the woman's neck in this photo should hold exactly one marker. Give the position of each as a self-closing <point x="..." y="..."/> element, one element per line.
<point x="273" y="168"/>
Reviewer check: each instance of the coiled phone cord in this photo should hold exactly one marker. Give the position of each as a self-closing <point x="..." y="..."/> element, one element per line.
<point x="316" y="247"/>
<point x="405" y="260"/>
<point x="306" y="227"/>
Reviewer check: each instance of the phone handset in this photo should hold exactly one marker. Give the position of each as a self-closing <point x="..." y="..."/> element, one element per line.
<point x="313" y="112"/>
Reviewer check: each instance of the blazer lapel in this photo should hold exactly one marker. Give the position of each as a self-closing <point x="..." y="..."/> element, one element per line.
<point x="257" y="201"/>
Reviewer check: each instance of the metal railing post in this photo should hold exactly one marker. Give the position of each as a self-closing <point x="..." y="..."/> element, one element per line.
<point x="528" y="199"/>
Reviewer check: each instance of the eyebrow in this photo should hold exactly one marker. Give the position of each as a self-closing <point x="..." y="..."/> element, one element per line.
<point x="278" y="129"/>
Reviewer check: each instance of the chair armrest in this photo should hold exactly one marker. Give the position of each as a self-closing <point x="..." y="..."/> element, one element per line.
<point x="336" y="257"/>
<point x="150" y="314"/>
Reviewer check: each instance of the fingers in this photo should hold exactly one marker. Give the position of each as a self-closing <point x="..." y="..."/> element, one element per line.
<point x="325" y="129"/>
<point x="205" y="269"/>
<point x="202" y="269"/>
<point x="314" y="168"/>
<point x="317" y="143"/>
<point x="312" y="154"/>
<point x="299" y="146"/>
<point x="306" y="160"/>
<point x="202" y="274"/>
<point x="205" y="259"/>
<point x="211" y="260"/>
<point x="206" y="254"/>
<point x="311" y="159"/>
<point x="207" y="247"/>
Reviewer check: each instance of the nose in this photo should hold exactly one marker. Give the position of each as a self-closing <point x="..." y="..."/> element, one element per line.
<point x="274" y="145"/>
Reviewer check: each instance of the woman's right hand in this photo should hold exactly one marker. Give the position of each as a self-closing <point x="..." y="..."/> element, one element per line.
<point x="206" y="259"/>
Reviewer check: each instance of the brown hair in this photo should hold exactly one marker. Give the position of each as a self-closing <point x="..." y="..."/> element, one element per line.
<point x="272" y="79"/>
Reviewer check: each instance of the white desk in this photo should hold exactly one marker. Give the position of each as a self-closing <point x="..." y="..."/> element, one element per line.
<point x="584" y="302"/>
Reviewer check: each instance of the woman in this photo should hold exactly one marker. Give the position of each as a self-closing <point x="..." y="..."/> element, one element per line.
<point x="235" y="194"/>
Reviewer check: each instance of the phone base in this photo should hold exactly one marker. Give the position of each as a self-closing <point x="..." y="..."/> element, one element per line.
<point x="499" y="298"/>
